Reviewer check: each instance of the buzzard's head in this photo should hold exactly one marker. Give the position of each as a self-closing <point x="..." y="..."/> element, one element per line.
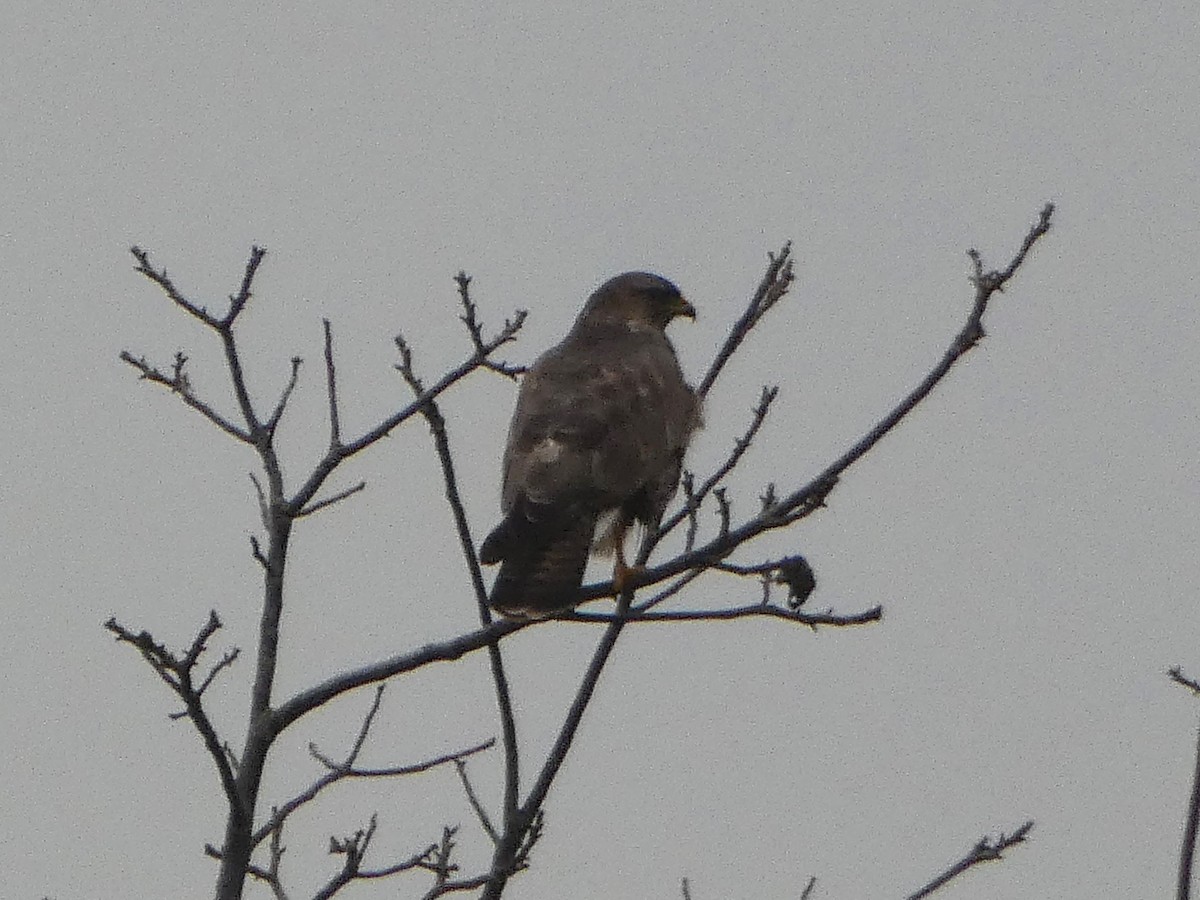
<point x="637" y="299"/>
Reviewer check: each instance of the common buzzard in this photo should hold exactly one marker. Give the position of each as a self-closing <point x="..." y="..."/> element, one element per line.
<point x="600" y="428"/>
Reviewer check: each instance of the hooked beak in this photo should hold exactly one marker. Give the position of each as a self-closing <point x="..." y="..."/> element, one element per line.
<point x="683" y="308"/>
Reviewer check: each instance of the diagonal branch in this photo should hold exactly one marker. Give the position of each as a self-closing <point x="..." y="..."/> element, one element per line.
<point x="525" y="828"/>
<point x="176" y="672"/>
<point x="160" y="277"/>
<point x="696" y="497"/>
<point x="285" y="396"/>
<point x="1176" y="674"/>
<point x="329" y="501"/>
<point x="238" y="302"/>
<point x="774" y="285"/>
<point x="443" y="651"/>
<point x="984" y="851"/>
<point x="178" y="384"/>
<point x="485" y="820"/>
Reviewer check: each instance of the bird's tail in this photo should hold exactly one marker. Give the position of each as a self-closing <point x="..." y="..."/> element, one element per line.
<point x="542" y="563"/>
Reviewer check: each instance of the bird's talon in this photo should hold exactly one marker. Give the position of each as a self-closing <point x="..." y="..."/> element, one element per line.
<point x="625" y="576"/>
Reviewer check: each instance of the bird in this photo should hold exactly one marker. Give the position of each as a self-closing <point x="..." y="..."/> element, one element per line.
<point x="596" y="443"/>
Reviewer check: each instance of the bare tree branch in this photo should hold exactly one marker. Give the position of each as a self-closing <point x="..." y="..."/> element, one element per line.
<point x="343" y="451"/>
<point x="741" y="445"/>
<point x="473" y="798"/>
<point x="335" y="418"/>
<point x="178" y="384"/>
<point x="161" y="278"/>
<point x="270" y="877"/>
<point x="285" y="396"/>
<point x="337" y="771"/>
<point x="441" y="439"/>
<point x="176" y="673"/>
<point x="442" y="651"/>
<point x="774" y="285"/>
<point x="1187" y="850"/>
<point x="475" y="329"/>
<point x="329" y="501"/>
<point x="874" y="614"/>
<point x="238" y="302"/>
<point x="521" y="826"/>
<point x="985" y="850"/>
<point x="227" y="660"/>
<point x="454" y="887"/>
<point x="513" y="848"/>
<point x="1176" y="674"/>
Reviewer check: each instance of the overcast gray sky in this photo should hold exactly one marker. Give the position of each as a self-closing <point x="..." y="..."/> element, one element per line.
<point x="1031" y="530"/>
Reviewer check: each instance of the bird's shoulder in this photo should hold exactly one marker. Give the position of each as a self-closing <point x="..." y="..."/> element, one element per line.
<point x="588" y="346"/>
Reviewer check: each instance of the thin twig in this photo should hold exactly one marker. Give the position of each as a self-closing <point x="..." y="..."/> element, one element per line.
<point x="238" y="302"/>
<point x="485" y="820"/>
<point x="178" y="384"/>
<point x="985" y="850"/>
<point x="474" y="327"/>
<point x="329" y="501"/>
<point x="335" y="421"/>
<point x="774" y="285"/>
<point x="285" y="396"/>
<point x="160" y="277"/>
<point x="227" y="660"/>
<point x="1176" y="674"/>
<point x="416" y="768"/>
<point x="336" y="771"/>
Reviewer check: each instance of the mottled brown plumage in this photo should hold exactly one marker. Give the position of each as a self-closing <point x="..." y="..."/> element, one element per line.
<point x="601" y="426"/>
